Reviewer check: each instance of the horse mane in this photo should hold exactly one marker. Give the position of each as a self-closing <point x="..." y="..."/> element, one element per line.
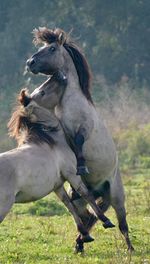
<point x="44" y="35"/>
<point x="23" y="129"/>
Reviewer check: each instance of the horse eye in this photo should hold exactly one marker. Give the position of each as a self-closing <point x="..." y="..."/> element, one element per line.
<point x="42" y="93"/>
<point x="52" y="49"/>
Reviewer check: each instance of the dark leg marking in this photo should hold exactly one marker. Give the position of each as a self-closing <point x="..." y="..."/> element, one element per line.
<point x="79" y="141"/>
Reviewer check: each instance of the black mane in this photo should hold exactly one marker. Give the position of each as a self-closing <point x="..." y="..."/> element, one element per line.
<point x="82" y="69"/>
<point x="37" y="132"/>
<point x="23" y="130"/>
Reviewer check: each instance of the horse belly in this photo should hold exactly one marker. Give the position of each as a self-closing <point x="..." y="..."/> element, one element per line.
<point x="100" y="155"/>
<point x="37" y="179"/>
<point x="37" y="189"/>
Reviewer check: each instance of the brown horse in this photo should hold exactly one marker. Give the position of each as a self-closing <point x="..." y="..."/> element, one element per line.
<point x="81" y="122"/>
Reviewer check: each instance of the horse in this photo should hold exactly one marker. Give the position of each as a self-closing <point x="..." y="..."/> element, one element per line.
<point x="38" y="165"/>
<point x="81" y="122"/>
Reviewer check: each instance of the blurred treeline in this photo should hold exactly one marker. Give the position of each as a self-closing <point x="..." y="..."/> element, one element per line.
<point x="115" y="37"/>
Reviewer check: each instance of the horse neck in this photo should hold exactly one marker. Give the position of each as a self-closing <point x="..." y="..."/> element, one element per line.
<point x="73" y="87"/>
<point x="70" y="70"/>
<point x="52" y="119"/>
<point x="46" y="117"/>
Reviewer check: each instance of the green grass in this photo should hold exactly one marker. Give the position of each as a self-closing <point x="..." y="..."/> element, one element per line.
<point x="44" y="232"/>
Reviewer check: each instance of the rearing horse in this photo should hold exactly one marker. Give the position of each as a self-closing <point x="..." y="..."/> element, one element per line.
<point x="81" y="122"/>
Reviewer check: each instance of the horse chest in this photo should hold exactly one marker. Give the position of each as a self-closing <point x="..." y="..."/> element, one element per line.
<point x="37" y="174"/>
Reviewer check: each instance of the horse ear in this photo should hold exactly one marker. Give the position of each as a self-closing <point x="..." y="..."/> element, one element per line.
<point x="62" y="38"/>
<point x="24" y="98"/>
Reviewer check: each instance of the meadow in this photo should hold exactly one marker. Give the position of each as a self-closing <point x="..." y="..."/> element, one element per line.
<point x="44" y="232"/>
<point x="116" y="42"/>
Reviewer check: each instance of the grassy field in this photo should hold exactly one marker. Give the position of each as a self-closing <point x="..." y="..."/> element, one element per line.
<point x="44" y="232"/>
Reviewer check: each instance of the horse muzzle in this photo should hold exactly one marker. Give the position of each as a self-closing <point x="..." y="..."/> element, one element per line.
<point x="31" y="66"/>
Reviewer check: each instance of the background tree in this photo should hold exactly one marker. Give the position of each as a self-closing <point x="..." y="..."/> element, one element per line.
<point x="114" y="35"/>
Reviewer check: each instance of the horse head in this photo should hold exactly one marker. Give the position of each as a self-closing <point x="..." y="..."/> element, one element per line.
<point x="50" y="92"/>
<point x="59" y="52"/>
<point x="50" y="57"/>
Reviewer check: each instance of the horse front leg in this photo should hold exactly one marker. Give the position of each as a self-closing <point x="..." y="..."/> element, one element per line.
<point x="82" y="169"/>
<point x="79" y="140"/>
<point x="63" y="196"/>
<point x="89" y="219"/>
<point x="80" y="187"/>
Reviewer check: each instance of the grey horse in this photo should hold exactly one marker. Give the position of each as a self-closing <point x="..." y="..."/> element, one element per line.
<point x="81" y="122"/>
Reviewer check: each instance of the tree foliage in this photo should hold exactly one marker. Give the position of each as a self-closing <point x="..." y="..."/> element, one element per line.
<point x="113" y="34"/>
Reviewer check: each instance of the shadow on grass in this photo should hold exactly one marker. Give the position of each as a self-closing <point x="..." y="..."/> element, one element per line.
<point x="47" y="208"/>
<point x="43" y="207"/>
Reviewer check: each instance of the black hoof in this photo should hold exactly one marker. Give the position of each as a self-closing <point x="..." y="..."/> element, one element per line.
<point x="131" y="249"/>
<point x="79" y="248"/>
<point x="108" y="224"/>
<point x="87" y="239"/>
<point x="82" y="170"/>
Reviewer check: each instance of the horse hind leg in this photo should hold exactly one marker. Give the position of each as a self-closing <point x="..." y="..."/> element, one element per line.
<point x="62" y="194"/>
<point x="123" y="226"/>
<point x="117" y="202"/>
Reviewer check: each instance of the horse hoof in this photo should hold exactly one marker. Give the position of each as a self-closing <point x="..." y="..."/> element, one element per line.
<point x="79" y="248"/>
<point x="77" y="251"/>
<point x="108" y="224"/>
<point x="87" y="239"/>
<point x="131" y="249"/>
<point x="82" y="170"/>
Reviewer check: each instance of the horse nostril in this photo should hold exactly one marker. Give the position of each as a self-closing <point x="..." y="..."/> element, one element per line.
<point x="42" y="93"/>
<point x="32" y="61"/>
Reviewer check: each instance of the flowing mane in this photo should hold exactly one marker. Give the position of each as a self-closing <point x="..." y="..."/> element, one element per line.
<point x="24" y="129"/>
<point x="44" y="35"/>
